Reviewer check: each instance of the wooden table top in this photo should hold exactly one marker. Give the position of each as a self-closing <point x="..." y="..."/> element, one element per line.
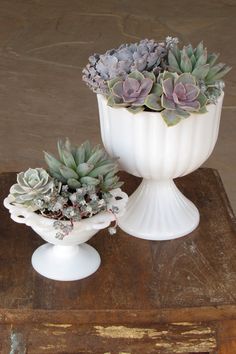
<point x="191" y="278"/>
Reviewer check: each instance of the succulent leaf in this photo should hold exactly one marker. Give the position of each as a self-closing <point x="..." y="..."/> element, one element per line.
<point x="168" y="86"/>
<point x="135" y="109"/>
<point x="201" y="72"/>
<point x="87" y="149"/>
<point x="60" y="146"/>
<point x="168" y="103"/>
<point x="73" y="183"/>
<point x="149" y="75"/>
<point x="202" y="110"/>
<point x="91" y="181"/>
<point x="68" y="159"/>
<point x="90" y="166"/>
<point x="157" y="90"/>
<point x="189" y="50"/>
<point x="67" y="172"/>
<point x="199" y="50"/>
<point x="182" y="113"/>
<point x="153" y="102"/>
<point x="58" y="176"/>
<point x="68" y="144"/>
<point x="101" y="170"/>
<point x="170" y="117"/>
<point x="111" y="173"/>
<point x="175" y="50"/>
<point x="52" y="162"/>
<point x="80" y="155"/>
<point x="138" y="76"/>
<point x="202" y="99"/>
<point x="97" y="155"/>
<point x="212" y="58"/>
<point x="115" y="101"/>
<point x="221" y="73"/>
<point x="185" y="63"/>
<point x="84" y="168"/>
<point x="186" y="78"/>
<point x="173" y="61"/>
<point x="202" y="60"/>
<point x="112" y="82"/>
<point x="193" y="61"/>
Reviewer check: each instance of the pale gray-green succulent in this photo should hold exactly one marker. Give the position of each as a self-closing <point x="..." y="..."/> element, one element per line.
<point x="83" y="166"/>
<point x="198" y="62"/>
<point x="32" y="184"/>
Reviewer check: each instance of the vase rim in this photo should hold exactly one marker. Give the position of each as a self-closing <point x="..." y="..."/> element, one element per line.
<point x="31" y="213"/>
<point x="101" y="97"/>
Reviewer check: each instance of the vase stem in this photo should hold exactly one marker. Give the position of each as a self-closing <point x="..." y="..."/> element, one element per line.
<point x="157" y="210"/>
<point x="65" y="251"/>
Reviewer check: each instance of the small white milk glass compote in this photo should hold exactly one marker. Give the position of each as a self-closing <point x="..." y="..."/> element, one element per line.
<point x="69" y="258"/>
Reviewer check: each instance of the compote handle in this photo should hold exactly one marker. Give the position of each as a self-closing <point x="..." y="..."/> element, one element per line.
<point x="18" y="214"/>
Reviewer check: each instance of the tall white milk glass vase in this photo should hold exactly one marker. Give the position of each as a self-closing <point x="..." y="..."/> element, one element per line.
<point x="148" y="148"/>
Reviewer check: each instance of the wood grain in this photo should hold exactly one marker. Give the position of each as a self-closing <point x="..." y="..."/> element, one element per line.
<point x="226" y="335"/>
<point x="140" y="286"/>
<point x="163" y="339"/>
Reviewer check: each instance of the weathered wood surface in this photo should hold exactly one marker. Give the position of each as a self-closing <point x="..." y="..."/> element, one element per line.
<point x="54" y="338"/>
<point x="140" y="284"/>
<point x="226" y="335"/>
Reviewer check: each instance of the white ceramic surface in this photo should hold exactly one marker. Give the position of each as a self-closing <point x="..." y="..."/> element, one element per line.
<point x="70" y="258"/>
<point x="148" y="148"/>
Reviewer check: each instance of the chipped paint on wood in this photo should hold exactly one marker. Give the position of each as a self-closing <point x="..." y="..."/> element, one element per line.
<point x="17" y="343"/>
<point x="46" y="347"/>
<point x="200" y="346"/>
<point x="182" y="323"/>
<point x="58" y="333"/>
<point x="53" y="348"/>
<point x="127" y="332"/>
<point x="163" y="345"/>
<point x="188" y="345"/>
<point x="59" y="325"/>
<point x="198" y="331"/>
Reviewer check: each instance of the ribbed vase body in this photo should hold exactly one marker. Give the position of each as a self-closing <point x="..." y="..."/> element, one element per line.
<point x="148" y="148"/>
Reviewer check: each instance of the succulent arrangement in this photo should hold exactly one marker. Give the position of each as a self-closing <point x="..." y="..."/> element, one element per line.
<point x="158" y="76"/>
<point x="77" y="185"/>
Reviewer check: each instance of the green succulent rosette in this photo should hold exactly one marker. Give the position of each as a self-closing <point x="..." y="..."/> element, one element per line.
<point x="201" y="65"/>
<point x="83" y="165"/>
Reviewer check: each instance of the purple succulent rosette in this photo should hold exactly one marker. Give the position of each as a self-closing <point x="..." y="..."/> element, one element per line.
<point x="146" y="55"/>
<point x="181" y="96"/>
<point x="158" y="77"/>
<point x="130" y="92"/>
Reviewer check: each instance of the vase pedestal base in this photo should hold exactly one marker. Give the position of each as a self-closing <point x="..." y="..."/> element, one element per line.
<point x="66" y="262"/>
<point x="158" y="211"/>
